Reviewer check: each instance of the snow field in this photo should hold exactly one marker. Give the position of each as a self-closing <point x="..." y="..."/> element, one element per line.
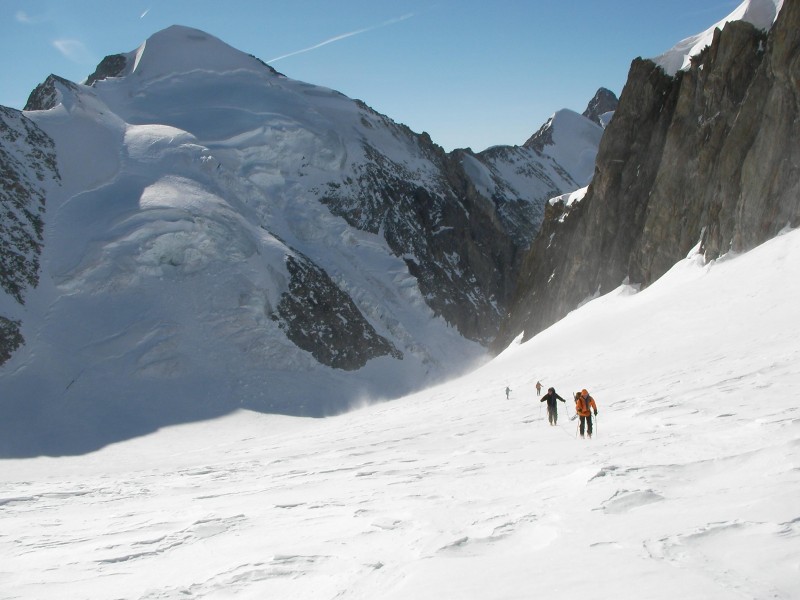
<point x="688" y="489"/>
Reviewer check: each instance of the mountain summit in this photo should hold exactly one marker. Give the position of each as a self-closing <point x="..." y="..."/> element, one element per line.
<point x="180" y="49"/>
<point x="217" y="235"/>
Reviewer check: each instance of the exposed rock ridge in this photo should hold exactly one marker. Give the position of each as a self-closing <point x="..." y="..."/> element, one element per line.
<point x="709" y="157"/>
<point x="543" y="137"/>
<point x="111" y="66"/>
<point x="45" y="96"/>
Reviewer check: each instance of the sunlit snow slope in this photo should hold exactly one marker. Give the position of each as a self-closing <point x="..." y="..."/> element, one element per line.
<point x="688" y="489"/>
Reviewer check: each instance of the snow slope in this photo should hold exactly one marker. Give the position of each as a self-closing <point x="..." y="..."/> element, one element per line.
<point x="689" y="488"/>
<point x="761" y="13"/>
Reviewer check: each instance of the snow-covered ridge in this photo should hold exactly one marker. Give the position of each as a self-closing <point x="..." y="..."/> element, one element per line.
<point x="760" y="13"/>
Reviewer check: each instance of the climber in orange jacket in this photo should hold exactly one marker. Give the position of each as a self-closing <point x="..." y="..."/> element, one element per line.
<point x="584" y="405"/>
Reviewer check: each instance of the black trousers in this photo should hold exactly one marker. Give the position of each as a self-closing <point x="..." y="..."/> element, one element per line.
<point x="587" y="421"/>
<point x="552" y="414"/>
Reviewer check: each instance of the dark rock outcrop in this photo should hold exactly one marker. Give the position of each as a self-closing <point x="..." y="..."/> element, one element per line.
<point x="323" y="320"/>
<point x="111" y="66"/>
<point x="27" y="162"/>
<point x="45" y="96"/>
<point x="604" y="101"/>
<point x="708" y="158"/>
<point x="10" y="338"/>
<point x="542" y="138"/>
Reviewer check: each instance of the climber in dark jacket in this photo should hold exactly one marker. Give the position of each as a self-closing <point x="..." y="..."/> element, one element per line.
<point x="552" y="409"/>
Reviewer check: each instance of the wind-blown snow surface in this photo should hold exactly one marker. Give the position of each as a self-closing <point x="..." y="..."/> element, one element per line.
<point x="760" y="13"/>
<point x="688" y="490"/>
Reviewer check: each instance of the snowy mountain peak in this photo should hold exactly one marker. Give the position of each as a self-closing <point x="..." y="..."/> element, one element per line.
<point x="50" y="93"/>
<point x="225" y="237"/>
<point x="760" y="13"/>
<point x="179" y="49"/>
<point x="571" y="140"/>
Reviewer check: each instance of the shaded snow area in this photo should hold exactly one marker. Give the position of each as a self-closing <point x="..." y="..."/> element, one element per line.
<point x="687" y="490"/>
<point x="760" y="13"/>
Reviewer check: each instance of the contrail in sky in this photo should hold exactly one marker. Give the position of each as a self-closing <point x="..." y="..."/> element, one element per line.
<point x="343" y="36"/>
<point x="144" y="14"/>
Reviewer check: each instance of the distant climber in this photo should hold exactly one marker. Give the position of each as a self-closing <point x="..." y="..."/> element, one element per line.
<point x="552" y="407"/>
<point x="584" y="405"/>
<point x="538" y="388"/>
<point x="508" y="391"/>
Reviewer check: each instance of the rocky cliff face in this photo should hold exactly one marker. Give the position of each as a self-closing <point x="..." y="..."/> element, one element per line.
<point x="452" y="239"/>
<point x="27" y="166"/>
<point x="707" y="158"/>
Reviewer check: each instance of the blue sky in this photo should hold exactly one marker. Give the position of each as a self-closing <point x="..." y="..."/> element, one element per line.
<point x="470" y="73"/>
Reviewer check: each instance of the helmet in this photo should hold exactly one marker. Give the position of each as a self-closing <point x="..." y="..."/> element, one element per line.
<point x="584" y="392"/>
